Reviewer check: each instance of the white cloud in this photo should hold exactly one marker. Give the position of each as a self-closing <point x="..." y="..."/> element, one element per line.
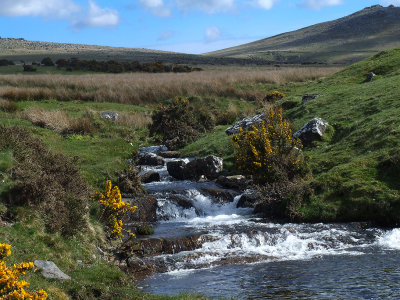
<point x="265" y="4"/>
<point x="391" y="2"/>
<point x="98" y="17"/>
<point x="208" y="6"/>
<point x="157" y="7"/>
<point x="44" y="8"/>
<point x="318" y="4"/>
<point x="212" y="33"/>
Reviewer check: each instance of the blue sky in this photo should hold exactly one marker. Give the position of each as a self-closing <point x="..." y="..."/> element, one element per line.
<point x="189" y="26"/>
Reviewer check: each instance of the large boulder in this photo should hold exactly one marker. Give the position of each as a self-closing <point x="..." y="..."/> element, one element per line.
<point x="146" y="209"/>
<point x="150" y="176"/>
<point x="209" y="166"/>
<point x="245" y="123"/>
<point x="50" y="270"/>
<point x="176" y="169"/>
<point x="313" y="130"/>
<point x="238" y="182"/>
<point x="150" y="159"/>
<point x="110" y="116"/>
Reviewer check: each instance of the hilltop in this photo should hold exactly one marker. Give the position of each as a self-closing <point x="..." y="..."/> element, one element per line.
<point x="342" y="41"/>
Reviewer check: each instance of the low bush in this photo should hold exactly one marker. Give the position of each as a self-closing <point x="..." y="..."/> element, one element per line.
<point x="10" y="287"/>
<point x="49" y="182"/>
<point x="269" y="152"/>
<point x="178" y="123"/>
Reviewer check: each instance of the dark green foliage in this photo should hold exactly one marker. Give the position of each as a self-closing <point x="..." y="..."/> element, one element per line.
<point x="47" y="61"/>
<point x="29" y="68"/>
<point x="179" y="123"/>
<point x="5" y="62"/>
<point x="111" y="66"/>
<point x="49" y="182"/>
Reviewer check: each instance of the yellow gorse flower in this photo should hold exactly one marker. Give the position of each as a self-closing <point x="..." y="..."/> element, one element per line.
<point x="10" y="287"/>
<point x="257" y="150"/>
<point x="114" y="209"/>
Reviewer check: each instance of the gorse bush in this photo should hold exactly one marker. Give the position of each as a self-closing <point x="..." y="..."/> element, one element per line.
<point x="10" y="285"/>
<point x="269" y="152"/>
<point x="49" y="182"/>
<point x="274" y="96"/>
<point x="178" y="123"/>
<point x="113" y="210"/>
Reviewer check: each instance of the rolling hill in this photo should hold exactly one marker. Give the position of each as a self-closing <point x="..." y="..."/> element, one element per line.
<point x="342" y="41"/>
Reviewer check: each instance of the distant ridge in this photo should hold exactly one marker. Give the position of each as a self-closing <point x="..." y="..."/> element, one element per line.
<point x="19" y="49"/>
<point x="342" y="41"/>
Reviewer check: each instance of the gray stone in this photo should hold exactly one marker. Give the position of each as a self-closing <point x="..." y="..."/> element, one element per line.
<point x="233" y="182"/>
<point x="370" y="77"/>
<point x="245" y="124"/>
<point x="308" y="97"/>
<point x="150" y="176"/>
<point x="110" y="116"/>
<point x="209" y="166"/>
<point x="150" y="159"/>
<point x="313" y="130"/>
<point x="176" y="169"/>
<point x="50" y="270"/>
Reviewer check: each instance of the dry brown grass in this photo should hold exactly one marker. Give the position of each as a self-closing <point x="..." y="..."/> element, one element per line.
<point x="8" y="106"/>
<point x="58" y="121"/>
<point x="144" y="88"/>
<point x="134" y="119"/>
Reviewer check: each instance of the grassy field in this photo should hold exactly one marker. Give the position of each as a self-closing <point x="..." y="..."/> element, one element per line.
<point x="354" y="170"/>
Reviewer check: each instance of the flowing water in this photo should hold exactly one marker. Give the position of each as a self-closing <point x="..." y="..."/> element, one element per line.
<point x="244" y="257"/>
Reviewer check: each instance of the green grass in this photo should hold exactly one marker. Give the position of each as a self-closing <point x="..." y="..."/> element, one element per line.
<point x="348" y="181"/>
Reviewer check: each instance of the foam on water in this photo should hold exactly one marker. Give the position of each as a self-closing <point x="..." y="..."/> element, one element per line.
<point x="390" y="239"/>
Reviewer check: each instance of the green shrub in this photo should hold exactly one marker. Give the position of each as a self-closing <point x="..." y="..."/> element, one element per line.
<point x="49" y="182"/>
<point x="269" y="152"/>
<point x="178" y="123"/>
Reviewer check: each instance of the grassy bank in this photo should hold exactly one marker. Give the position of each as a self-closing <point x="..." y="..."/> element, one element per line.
<point x="356" y="167"/>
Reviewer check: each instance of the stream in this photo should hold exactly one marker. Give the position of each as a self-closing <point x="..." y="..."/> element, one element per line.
<point x="241" y="256"/>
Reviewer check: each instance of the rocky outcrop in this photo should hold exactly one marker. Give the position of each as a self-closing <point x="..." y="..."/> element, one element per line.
<point x="245" y="124"/>
<point x="209" y="166"/>
<point x="146" y="209"/>
<point x="219" y="195"/>
<point x="150" y="176"/>
<point x="50" y="270"/>
<point x="150" y="159"/>
<point x="308" y="97"/>
<point x="110" y="116"/>
<point x="313" y="130"/>
<point x="238" y="182"/>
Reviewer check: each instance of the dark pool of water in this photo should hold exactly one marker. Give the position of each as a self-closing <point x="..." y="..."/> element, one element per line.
<point x="375" y="274"/>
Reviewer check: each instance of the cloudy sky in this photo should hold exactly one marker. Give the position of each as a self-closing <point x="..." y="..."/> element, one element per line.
<point x="190" y="26"/>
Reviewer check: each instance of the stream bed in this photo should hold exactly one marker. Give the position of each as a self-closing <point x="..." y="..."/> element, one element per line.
<point x="242" y="256"/>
